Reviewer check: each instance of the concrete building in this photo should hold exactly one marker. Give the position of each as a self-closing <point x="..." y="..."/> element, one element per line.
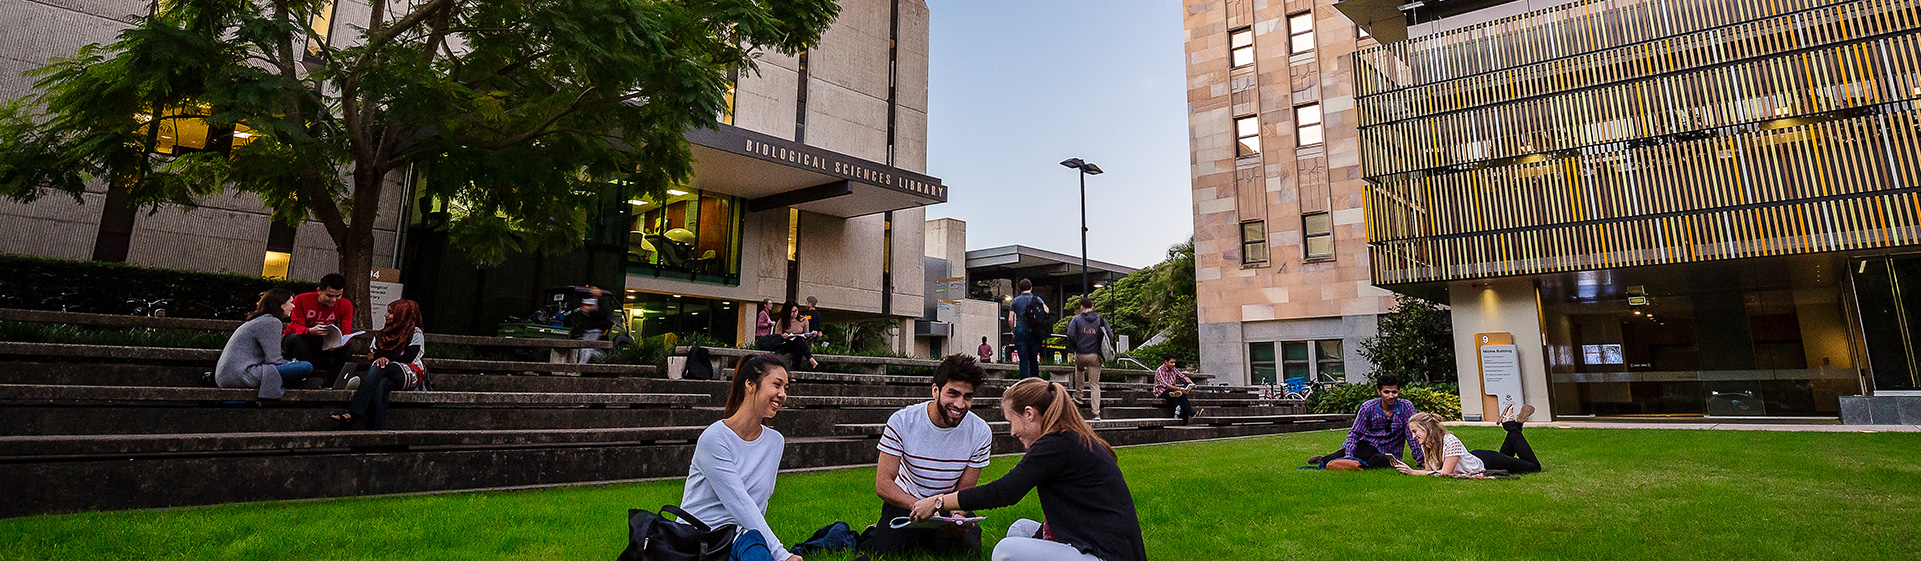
<point x="814" y="186"/>
<point x="1654" y="207"/>
<point x="1279" y="242"/>
<point x="953" y="322"/>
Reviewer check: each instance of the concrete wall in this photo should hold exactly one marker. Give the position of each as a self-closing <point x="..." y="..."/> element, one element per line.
<point x="1506" y="305"/>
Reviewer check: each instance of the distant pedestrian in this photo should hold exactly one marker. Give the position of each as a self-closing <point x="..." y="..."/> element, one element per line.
<point x="317" y="330"/>
<point x="1027" y="317"/>
<point x="793" y="337"/>
<point x="764" y="326"/>
<point x="811" y="314"/>
<point x="589" y="322"/>
<point x="1172" y="386"/>
<point x="396" y="364"/>
<point x="1086" y="337"/>
<point x="985" y="351"/>
<point x="252" y="357"/>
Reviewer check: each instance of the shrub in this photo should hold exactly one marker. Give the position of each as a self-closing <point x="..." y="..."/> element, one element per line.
<point x="112" y="288"/>
<point x="23" y="332"/>
<point x="1347" y="399"/>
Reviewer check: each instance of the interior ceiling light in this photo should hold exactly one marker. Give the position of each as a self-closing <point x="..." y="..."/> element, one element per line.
<point x="676" y="192"/>
<point x="636" y="202"/>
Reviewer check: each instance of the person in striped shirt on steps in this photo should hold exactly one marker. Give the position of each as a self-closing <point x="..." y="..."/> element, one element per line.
<point x="929" y="449"/>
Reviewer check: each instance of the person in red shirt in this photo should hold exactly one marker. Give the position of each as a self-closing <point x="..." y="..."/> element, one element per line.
<point x="316" y="316"/>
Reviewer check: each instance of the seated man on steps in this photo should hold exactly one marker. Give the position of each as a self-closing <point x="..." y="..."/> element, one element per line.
<point x="929" y="449"/>
<point x="1379" y="433"/>
<point x="318" y="318"/>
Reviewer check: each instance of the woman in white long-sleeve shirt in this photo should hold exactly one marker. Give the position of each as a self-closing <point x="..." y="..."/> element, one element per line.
<point x="736" y="459"/>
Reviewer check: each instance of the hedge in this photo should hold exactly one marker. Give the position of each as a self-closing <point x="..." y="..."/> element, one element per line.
<point x="1349" y="397"/>
<point x="39" y="283"/>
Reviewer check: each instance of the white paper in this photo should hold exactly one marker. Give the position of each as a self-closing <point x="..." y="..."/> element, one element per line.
<point x="335" y="340"/>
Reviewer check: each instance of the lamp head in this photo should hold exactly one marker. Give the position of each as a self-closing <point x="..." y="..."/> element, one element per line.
<point x="1090" y="168"/>
<point x="1075" y="163"/>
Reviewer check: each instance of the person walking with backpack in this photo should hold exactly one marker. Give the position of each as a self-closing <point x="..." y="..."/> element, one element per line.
<point x="1027" y="317"/>
<point x="1087" y="336"/>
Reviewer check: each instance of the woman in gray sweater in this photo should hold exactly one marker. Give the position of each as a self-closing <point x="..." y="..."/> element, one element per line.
<point x="252" y="358"/>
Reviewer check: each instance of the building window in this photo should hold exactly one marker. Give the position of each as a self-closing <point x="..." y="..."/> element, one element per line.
<point x="727" y="117"/>
<point x="1300" y="32"/>
<point x="1318" y="230"/>
<point x="1247" y="132"/>
<point x="1261" y="359"/>
<point x="1311" y="361"/>
<point x="277" y="264"/>
<point x="1240" y="47"/>
<point x="322" y="24"/>
<point x="686" y="234"/>
<point x="1307" y="124"/>
<point x="1254" y="242"/>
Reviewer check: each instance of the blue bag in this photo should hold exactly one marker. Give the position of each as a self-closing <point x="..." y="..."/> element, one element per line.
<point x="833" y="537"/>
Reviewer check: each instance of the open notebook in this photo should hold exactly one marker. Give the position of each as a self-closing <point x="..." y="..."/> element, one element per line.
<point x="335" y="339"/>
<point x="935" y="522"/>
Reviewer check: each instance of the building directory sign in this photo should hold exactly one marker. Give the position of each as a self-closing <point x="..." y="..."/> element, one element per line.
<point x="1500" y="372"/>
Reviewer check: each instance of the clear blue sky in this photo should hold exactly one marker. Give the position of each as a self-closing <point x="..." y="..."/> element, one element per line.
<point x="1018" y="86"/>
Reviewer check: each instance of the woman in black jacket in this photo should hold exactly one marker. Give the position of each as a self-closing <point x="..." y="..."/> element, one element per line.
<point x="1090" y="512"/>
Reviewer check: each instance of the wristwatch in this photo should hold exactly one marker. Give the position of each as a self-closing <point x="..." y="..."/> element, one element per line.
<point x="937" y="503"/>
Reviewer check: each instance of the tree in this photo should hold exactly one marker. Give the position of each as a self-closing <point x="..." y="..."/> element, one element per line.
<point x="1147" y="302"/>
<point x="515" y="111"/>
<point x="1415" y="342"/>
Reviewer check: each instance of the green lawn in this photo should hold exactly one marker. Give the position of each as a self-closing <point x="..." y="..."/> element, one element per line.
<point x="1607" y="494"/>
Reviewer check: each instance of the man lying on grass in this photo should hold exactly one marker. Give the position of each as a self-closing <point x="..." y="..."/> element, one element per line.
<point x="928" y="449"/>
<point x="1379" y="433"/>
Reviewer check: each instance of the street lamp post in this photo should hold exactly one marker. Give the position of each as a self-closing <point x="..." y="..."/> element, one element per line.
<point x="1086" y="168"/>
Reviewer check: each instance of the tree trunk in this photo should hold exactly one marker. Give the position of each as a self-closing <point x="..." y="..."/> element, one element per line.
<point x="357" y="247"/>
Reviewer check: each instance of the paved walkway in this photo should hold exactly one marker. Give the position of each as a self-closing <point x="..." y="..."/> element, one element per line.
<point x="1776" y="427"/>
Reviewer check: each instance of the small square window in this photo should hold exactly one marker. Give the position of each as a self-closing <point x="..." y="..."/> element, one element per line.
<point x="1247" y="133"/>
<point x="1240" y="45"/>
<point x="1307" y="125"/>
<point x="1253" y="242"/>
<point x="1300" y="32"/>
<point x="1318" y="231"/>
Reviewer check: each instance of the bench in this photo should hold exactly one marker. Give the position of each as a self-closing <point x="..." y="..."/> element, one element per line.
<point x="209" y="356"/>
<point x="560" y="349"/>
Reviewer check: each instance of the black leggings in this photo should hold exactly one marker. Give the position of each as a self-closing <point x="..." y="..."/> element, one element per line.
<point x="1515" y="455"/>
<point x="370" y="399"/>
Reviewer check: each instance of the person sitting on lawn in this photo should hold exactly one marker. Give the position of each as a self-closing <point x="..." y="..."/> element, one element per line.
<point x="396" y="365"/>
<point x="928" y="449"/>
<point x="1380" y="430"/>
<point x="1447" y="456"/>
<point x="251" y="358"/>
<point x="1172" y="386"/>
<point x="736" y="458"/>
<point x="1090" y="512"/>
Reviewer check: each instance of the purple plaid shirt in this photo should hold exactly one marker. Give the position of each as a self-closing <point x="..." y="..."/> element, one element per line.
<point x="1386" y="431"/>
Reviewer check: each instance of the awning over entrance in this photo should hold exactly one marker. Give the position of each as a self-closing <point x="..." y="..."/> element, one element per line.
<point x="772" y="172"/>
<point x="1381" y="18"/>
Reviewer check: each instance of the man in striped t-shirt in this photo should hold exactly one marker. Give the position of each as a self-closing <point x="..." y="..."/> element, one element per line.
<point x="931" y="449"/>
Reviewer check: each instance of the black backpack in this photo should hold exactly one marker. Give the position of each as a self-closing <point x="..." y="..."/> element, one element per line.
<point x="700" y="365"/>
<point x="1039" y="322"/>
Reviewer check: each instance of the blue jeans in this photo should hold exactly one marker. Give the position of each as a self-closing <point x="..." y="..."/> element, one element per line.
<point x="294" y="371"/>
<point x="1030" y="351"/>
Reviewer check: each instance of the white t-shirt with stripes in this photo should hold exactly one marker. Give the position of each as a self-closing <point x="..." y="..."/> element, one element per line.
<point x="932" y="458"/>
<point x="1470" y="464"/>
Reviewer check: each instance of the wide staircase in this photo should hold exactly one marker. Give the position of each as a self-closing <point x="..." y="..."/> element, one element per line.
<point x="95" y="427"/>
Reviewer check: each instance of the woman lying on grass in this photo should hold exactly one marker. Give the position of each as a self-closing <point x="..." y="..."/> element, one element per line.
<point x="1090" y="512"/>
<point x="1445" y="455"/>
<point x="736" y="459"/>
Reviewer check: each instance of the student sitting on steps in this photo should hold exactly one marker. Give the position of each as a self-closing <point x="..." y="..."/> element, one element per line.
<point x="1090" y="512"/>
<point x="1446" y="455"/>
<point x="929" y="449"/>
<point x="252" y="357"/>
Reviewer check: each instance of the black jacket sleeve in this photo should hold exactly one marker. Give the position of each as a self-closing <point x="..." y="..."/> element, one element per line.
<point x="1040" y="464"/>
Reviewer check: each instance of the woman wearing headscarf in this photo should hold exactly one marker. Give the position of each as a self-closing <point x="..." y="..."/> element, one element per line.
<point x="396" y="355"/>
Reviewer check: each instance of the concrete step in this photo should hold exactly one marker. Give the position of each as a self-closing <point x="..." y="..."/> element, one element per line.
<point x="18" y="448"/>
<point x="154" y="355"/>
<point x="392" y="464"/>
<point x="1000" y="427"/>
<point x="1212" y="420"/>
<point x="45" y="394"/>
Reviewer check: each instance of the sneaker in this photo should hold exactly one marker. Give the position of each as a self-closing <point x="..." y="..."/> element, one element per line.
<point x="1314" y="460"/>
<point x="353" y="383"/>
<point x="1525" y="412"/>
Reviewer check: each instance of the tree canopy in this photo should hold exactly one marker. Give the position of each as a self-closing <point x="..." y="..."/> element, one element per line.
<point x="515" y="111"/>
<point x="1415" y="342"/>
<point x="1147" y="302"/>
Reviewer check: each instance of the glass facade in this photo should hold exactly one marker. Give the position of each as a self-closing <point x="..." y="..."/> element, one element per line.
<point x="1888" y="292"/>
<point x="1314" y="362"/>
<point x="651" y="314"/>
<point x="687" y="234"/>
<point x="1770" y="339"/>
